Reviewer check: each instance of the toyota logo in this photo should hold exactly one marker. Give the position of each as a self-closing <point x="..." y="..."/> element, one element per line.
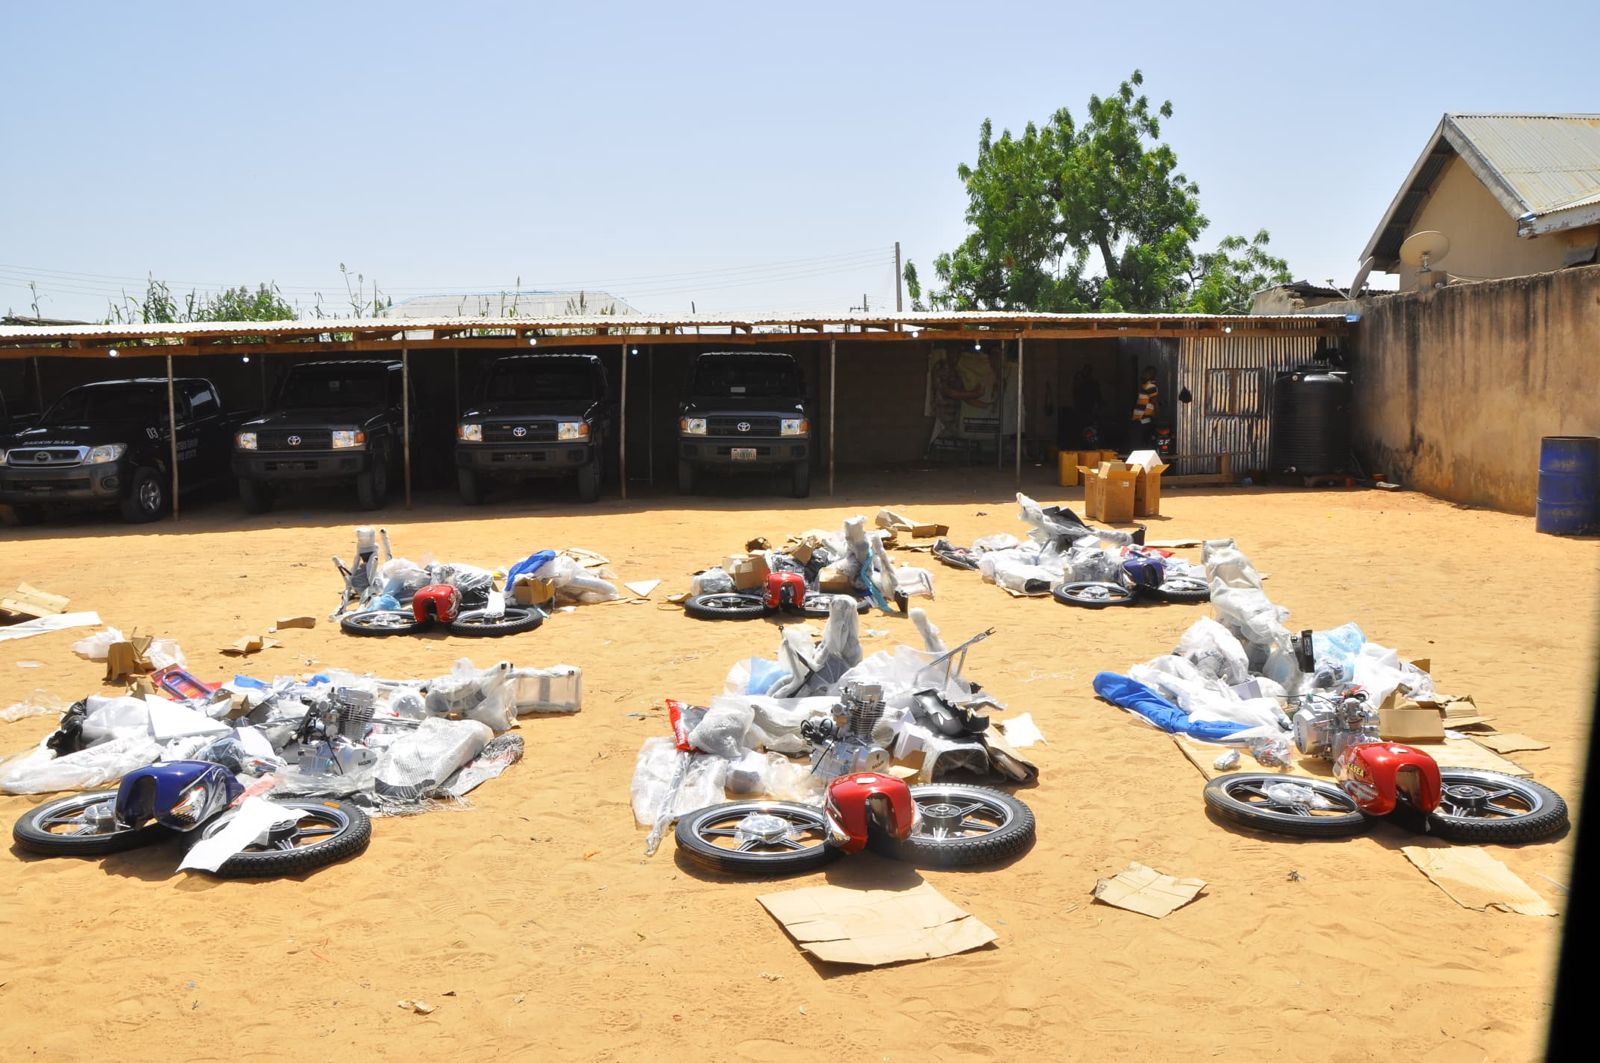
<point x="743" y="426"/>
<point x="42" y="456"/>
<point x="293" y="441"/>
<point x="519" y="431"/>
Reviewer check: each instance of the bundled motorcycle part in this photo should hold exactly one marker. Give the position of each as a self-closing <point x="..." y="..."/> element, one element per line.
<point x="1325" y="726"/>
<point x="1488" y="808"/>
<point x="725" y="605"/>
<point x="818" y="604"/>
<point x="947" y="718"/>
<point x="1182" y="590"/>
<point x="360" y="576"/>
<point x="955" y="556"/>
<point x="354" y="707"/>
<point x="1093" y="594"/>
<point x="1141" y="572"/>
<point x="1309" y="808"/>
<point x="380" y="622"/>
<point x="961" y="826"/>
<point x="844" y="743"/>
<point x="82" y="825"/>
<point x="509" y="621"/>
<point x="1304" y="653"/>
<point x="756" y="837"/>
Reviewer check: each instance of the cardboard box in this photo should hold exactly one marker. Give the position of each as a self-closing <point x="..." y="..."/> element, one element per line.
<point x="1108" y="492"/>
<point x="834" y="578"/>
<point x="749" y="571"/>
<point x="919" y="529"/>
<point x="1147" y="488"/>
<point x="530" y="591"/>
<point x="1409" y="722"/>
<point x="127" y="658"/>
<point x="1068" y="473"/>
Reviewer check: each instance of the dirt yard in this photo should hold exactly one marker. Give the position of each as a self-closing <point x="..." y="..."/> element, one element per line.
<point x="537" y="929"/>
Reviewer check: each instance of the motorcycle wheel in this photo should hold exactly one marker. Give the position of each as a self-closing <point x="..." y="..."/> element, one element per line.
<point x="725" y="605"/>
<point x="380" y="622"/>
<point x="1242" y="799"/>
<point x="756" y="838"/>
<point x="1093" y="594"/>
<point x="479" y="622"/>
<point x="817" y="605"/>
<point x="331" y="831"/>
<point x="1485" y="807"/>
<point x="81" y="825"/>
<point x="961" y="826"/>
<point x="1182" y="589"/>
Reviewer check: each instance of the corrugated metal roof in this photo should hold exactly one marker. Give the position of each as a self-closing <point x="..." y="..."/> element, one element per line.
<point x="1544" y="169"/>
<point x="640" y="325"/>
<point x="511" y="303"/>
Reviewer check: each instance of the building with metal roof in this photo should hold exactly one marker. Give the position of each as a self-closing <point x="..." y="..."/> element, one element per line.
<point x="512" y="303"/>
<point x="1508" y="194"/>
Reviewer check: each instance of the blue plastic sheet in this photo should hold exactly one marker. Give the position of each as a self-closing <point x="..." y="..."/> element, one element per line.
<point x="532" y="563"/>
<point x="1134" y="696"/>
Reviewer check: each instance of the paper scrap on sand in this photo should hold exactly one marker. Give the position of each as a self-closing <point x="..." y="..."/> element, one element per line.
<point x="250" y="644"/>
<point x="643" y="587"/>
<point x="1474" y="879"/>
<point x="294" y="621"/>
<point x="1021" y="731"/>
<point x="870" y="928"/>
<point x="1147" y="891"/>
<point x="55" y="622"/>
<point x="1501" y="742"/>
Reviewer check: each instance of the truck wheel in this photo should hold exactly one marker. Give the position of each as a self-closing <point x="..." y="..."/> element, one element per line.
<point x="470" y="486"/>
<point x="256" y="496"/>
<point x="800" y="480"/>
<point x="146" y="499"/>
<point x="589" y="482"/>
<point x="27" y="515"/>
<point x="372" y="486"/>
<point x="685" y="477"/>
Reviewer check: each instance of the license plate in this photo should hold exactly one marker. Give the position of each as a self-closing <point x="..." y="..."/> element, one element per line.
<point x="744" y="453"/>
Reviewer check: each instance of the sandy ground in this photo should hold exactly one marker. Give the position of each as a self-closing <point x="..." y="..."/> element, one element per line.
<point x="537" y="928"/>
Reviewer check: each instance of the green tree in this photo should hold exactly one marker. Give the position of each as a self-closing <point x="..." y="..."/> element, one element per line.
<point x="1082" y="217"/>
<point x="1223" y="280"/>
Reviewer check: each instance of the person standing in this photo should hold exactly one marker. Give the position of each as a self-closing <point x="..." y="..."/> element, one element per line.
<point x="1144" y="410"/>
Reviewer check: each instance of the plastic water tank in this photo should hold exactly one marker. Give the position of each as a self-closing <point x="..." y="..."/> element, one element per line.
<point x="1312" y="409"/>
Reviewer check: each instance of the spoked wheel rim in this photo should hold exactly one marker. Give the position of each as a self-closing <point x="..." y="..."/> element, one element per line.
<point x="1252" y="791"/>
<point x="86" y="816"/>
<point x="1185" y="587"/>
<point x="1093" y="593"/>
<point x="758" y="828"/>
<point x="394" y="620"/>
<point x="821" y="603"/>
<point x="1479" y="797"/>
<point x="949" y="815"/>
<point x="483" y="618"/>
<point x="728" y="600"/>
<point x="319" y="824"/>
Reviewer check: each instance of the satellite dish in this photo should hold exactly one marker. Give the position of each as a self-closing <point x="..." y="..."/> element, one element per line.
<point x="1425" y="249"/>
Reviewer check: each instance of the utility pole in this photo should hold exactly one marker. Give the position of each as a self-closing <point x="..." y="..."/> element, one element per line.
<point x="899" y="297"/>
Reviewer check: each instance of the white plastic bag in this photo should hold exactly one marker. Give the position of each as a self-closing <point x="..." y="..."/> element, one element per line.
<point x="722" y="729"/>
<point x="114" y="717"/>
<point x="997" y="541"/>
<point x="421" y="761"/>
<point x="40" y="772"/>
<point x="95" y="647"/>
<point x="653" y="773"/>
<point x="1214" y="652"/>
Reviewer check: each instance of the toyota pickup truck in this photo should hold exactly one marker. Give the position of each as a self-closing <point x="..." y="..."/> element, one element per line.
<point x="335" y="421"/>
<point x="745" y="411"/>
<point x="537" y="415"/>
<point x="108" y="444"/>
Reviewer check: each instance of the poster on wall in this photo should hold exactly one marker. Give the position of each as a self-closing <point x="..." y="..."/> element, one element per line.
<point x="963" y="394"/>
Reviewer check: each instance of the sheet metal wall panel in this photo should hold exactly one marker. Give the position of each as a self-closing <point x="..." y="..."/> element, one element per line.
<point x="1201" y="434"/>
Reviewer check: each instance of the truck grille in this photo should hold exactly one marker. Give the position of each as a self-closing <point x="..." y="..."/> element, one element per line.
<point x="45" y="456"/>
<point x="532" y="432"/>
<point x="729" y="426"/>
<point x="295" y="439"/>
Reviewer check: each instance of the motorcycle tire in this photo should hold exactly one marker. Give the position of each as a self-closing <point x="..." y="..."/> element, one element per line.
<point x="725" y="605"/>
<point x="961" y="826"/>
<point x="1093" y="594"/>
<point x="377" y="622"/>
<point x="1240" y="798"/>
<point x="1488" y="808"/>
<point x="331" y="831"/>
<point x="478" y="622"/>
<point x="1182" y="590"/>
<point x="817" y="605"/>
<point x="33" y="828"/>
<point x="710" y="837"/>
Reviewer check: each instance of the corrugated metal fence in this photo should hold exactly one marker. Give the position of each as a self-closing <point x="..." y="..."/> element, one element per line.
<point x="1230" y="380"/>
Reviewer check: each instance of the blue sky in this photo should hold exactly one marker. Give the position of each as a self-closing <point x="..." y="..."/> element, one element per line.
<point x="744" y="156"/>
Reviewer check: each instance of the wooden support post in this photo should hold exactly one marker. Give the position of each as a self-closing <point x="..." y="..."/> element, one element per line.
<point x="172" y="434"/>
<point x="650" y="414"/>
<point x="833" y="394"/>
<point x="1019" y="413"/>
<point x="622" y="429"/>
<point x="405" y="417"/>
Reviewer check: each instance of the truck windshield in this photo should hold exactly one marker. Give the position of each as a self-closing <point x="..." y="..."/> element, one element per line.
<point x="126" y="402"/>
<point x="530" y="380"/>
<point x="313" y="388"/>
<point x="760" y="378"/>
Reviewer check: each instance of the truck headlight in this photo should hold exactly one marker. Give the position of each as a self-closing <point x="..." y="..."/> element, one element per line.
<point x="349" y="440"/>
<point x="571" y="430"/>
<point x="693" y="426"/>
<point x="469" y="433"/>
<point x="245" y="440"/>
<point x="104" y="453"/>
<point x="794" y="426"/>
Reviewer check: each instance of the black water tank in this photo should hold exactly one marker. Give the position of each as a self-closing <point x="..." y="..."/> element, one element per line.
<point x="1311" y="414"/>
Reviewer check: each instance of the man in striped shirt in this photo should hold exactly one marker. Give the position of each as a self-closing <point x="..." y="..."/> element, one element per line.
<point x="1144" y="410"/>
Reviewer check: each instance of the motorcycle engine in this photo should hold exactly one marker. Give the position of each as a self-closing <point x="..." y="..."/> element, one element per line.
<point x="1325" y="726"/>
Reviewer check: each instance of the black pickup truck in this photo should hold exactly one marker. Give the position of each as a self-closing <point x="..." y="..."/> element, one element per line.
<point x="333" y="421"/>
<point x="745" y="410"/>
<point x="537" y="415"/>
<point x="109" y="444"/>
